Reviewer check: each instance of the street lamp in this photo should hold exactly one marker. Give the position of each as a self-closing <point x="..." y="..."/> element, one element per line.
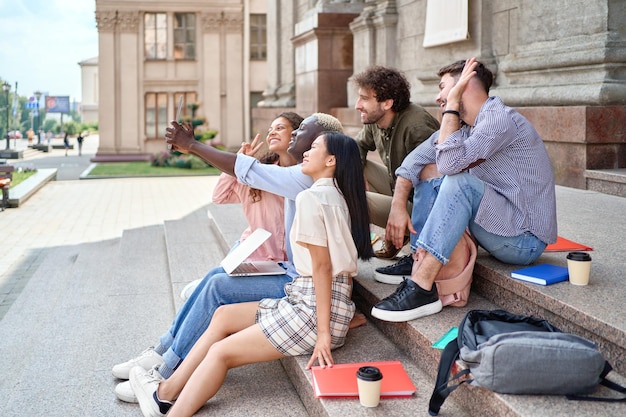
<point x="6" y="87"/>
<point x="37" y="97"/>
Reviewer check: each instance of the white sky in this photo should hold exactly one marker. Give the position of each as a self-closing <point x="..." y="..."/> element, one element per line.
<point x="42" y="42"/>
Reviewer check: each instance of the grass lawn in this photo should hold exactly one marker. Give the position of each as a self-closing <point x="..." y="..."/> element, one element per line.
<point x="143" y="168"/>
<point x="20" y="176"/>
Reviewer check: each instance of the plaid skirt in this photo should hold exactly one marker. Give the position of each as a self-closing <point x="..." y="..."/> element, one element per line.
<point x="290" y="323"/>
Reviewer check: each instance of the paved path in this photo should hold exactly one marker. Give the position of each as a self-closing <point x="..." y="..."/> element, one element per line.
<point x="72" y="211"/>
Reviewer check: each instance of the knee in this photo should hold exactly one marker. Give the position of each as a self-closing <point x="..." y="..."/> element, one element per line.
<point x="455" y="181"/>
<point x="221" y="353"/>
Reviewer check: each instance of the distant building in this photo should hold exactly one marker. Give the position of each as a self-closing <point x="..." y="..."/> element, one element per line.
<point x="89" y="90"/>
<point x="212" y="53"/>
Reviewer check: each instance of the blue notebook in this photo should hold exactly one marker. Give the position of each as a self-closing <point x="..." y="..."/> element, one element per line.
<point x="544" y="274"/>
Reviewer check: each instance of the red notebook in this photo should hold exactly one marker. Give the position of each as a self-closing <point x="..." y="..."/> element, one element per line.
<point x="564" y="245"/>
<point x="340" y="380"/>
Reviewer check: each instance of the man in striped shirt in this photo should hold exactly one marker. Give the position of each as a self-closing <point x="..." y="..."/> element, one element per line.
<point x="492" y="176"/>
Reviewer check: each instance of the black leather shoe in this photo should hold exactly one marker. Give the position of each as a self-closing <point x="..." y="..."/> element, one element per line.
<point x="408" y="302"/>
<point x="395" y="274"/>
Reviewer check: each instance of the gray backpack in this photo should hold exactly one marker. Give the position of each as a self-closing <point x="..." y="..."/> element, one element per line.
<point x="513" y="354"/>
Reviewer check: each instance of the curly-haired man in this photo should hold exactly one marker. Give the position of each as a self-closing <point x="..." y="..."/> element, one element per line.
<point x="394" y="127"/>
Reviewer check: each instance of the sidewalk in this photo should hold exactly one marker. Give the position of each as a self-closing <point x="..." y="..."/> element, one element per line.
<point x="72" y="211"/>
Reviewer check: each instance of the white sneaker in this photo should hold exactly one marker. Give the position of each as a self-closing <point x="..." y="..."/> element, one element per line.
<point x="124" y="392"/>
<point x="145" y="384"/>
<point x="146" y="360"/>
<point x="189" y="288"/>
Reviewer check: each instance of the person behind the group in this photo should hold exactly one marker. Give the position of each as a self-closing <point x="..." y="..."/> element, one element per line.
<point x="66" y="142"/>
<point x="330" y="232"/>
<point x="79" y="141"/>
<point x="218" y="288"/>
<point x="261" y="209"/>
<point x="393" y="126"/>
<point x="497" y="182"/>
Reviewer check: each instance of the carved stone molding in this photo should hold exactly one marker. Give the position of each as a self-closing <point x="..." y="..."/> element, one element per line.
<point x="233" y="22"/>
<point x="128" y="22"/>
<point x="214" y="22"/>
<point x="106" y="20"/>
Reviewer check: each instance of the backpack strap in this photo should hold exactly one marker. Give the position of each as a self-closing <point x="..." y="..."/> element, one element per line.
<point x="607" y="383"/>
<point x="442" y="385"/>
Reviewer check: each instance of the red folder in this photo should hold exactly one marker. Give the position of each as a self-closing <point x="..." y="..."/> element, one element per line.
<point x="564" y="245"/>
<point x="340" y="380"/>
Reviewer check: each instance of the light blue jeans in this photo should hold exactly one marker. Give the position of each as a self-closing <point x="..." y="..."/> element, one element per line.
<point x="215" y="289"/>
<point x="444" y="207"/>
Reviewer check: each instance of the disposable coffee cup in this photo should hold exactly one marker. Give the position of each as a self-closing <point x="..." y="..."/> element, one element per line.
<point x="368" y="379"/>
<point x="578" y="267"/>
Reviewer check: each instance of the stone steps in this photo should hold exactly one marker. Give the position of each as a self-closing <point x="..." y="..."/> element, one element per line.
<point x="89" y="306"/>
<point x="608" y="181"/>
<point x="594" y="312"/>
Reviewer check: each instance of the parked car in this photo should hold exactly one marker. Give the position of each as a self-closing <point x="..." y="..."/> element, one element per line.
<point x="15" y="134"/>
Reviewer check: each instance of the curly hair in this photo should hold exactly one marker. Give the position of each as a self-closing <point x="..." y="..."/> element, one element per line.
<point x="328" y="122"/>
<point x="483" y="74"/>
<point x="387" y="83"/>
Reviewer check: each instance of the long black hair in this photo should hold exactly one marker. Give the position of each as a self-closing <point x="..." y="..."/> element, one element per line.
<point x="351" y="182"/>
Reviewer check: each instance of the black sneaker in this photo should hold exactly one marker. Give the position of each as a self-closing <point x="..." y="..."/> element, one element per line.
<point x="409" y="302"/>
<point x="395" y="274"/>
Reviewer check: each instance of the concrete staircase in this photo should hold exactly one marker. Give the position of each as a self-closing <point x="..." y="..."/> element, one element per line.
<point x="608" y="181"/>
<point x="89" y="306"/>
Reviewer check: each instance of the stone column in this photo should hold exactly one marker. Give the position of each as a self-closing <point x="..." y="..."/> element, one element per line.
<point x="106" y="21"/>
<point x="323" y="44"/>
<point x="385" y="21"/>
<point x="280" y="91"/>
<point x="128" y="92"/>
<point x="375" y="40"/>
<point x="222" y="89"/>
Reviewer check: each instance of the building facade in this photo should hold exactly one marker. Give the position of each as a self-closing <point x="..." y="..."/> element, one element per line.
<point x="562" y="63"/>
<point x="89" y="90"/>
<point x="212" y="54"/>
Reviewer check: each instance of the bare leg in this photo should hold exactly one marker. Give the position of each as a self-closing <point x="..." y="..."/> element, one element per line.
<point x="244" y="347"/>
<point x="425" y="271"/>
<point x="228" y="319"/>
<point x="358" y="320"/>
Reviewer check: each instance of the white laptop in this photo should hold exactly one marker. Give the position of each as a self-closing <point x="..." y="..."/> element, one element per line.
<point x="235" y="266"/>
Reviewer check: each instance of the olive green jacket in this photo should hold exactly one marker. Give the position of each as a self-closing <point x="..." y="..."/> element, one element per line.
<point x="409" y="128"/>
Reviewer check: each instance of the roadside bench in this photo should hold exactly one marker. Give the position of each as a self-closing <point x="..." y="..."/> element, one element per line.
<point x="6" y="175"/>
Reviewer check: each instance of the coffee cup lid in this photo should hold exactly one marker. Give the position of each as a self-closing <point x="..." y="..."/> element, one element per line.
<point x="579" y="256"/>
<point x="369" y="373"/>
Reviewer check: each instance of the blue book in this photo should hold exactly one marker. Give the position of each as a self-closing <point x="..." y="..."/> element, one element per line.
<point x="544" y="274"/>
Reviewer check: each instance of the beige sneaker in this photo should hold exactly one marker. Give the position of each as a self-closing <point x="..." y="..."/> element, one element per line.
<point x="124" y="392"/>
<point x="145" y="385"/>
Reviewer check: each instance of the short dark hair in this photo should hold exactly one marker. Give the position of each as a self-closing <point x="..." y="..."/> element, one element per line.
<point x="294" y="119"/>
<point x="351" y="182"/>
<point x="387" y="83"/>
<point x="483" y="74"/>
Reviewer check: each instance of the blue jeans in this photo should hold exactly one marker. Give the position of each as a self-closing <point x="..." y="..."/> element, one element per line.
<point x="215" y="289"/>
<point x="444" y="207"/>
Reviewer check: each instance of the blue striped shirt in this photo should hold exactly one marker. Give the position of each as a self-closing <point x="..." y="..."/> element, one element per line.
<point x="519" y="183"/>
